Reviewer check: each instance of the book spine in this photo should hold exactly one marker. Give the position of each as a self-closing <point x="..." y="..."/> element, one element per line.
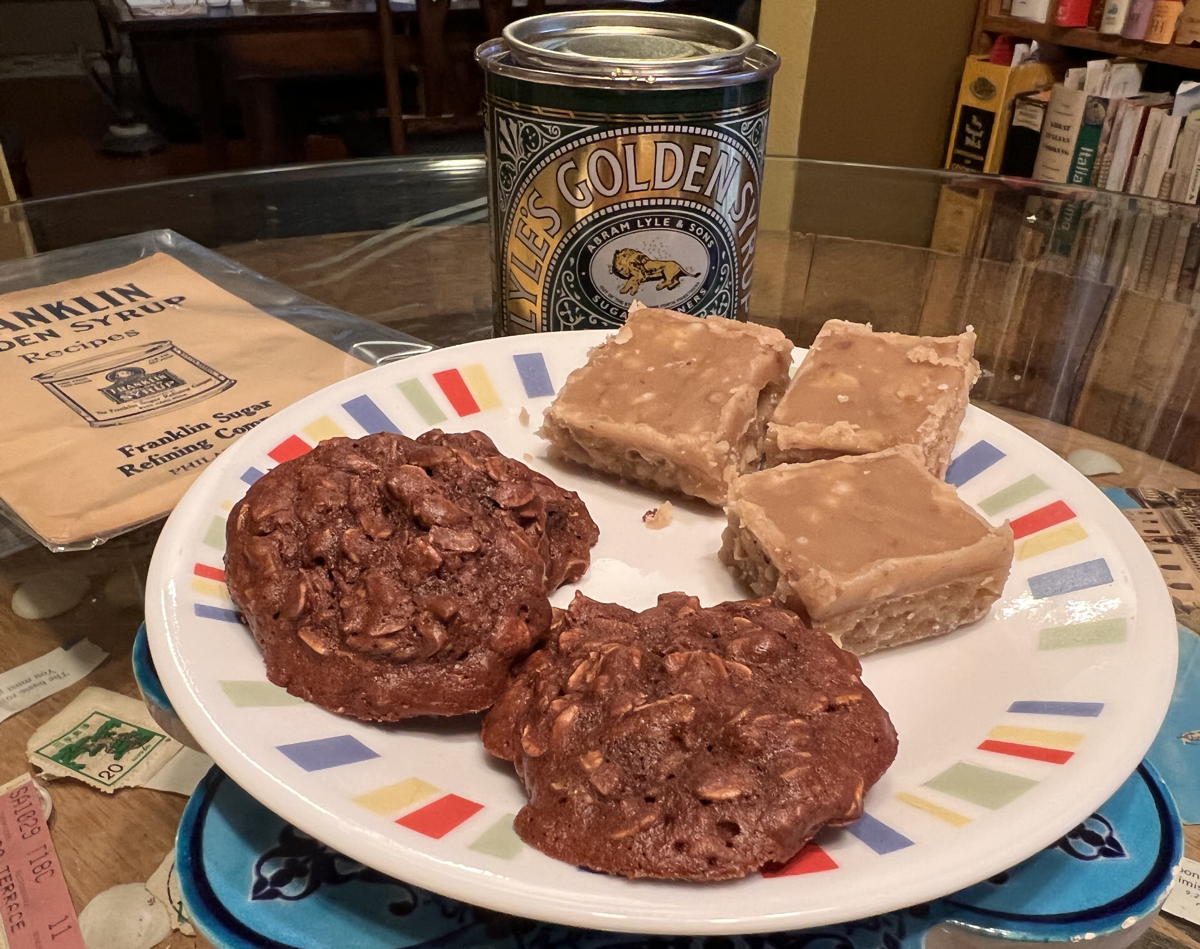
<point x="1193" y="180"/>
<point x="1163" y="19"/>
<point x="1087" y="141"/>
<point x="1187" y="31"/>
<point x="1070" y="13"/>
<point x="1059" y="132"/>
<point x="1138" y="19"/>
<point x="1021" y="147"/>
<point x="1036" y="10"/>
<point x="1115" y="13"/>
<point x="1185" y="151"/>
<point x="1096" y="15"/>
<point x="1132" y="176"/>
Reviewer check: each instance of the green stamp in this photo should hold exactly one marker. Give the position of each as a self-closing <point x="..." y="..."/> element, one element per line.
<point x="103" y="748"/>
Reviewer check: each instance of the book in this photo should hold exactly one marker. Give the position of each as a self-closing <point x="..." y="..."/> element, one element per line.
<point x="1095" y="76"/>
<point x="1096" y="14"/>
<point x="1137" y="20"/>
<point x="1136" y="181"/>
<point x="1115" y="13"/>
<point x="1114" y="146"/>
<point x="1164" y="17"/>
<point x="1187" y="161"/>
<point x="1001" y="53"/>
<point x="1036" y="10"/>
<point x="1159" y="162"/>
<point x="1156" y="126"/>
<point x="1122" y="78"/>
<point x="1187" y="98"/>
<point x="1127" y="137"/>
<point x="1187" y="30"/>
<point x="1064" y="116"/>
<point x="1024" y="134"/>
<point x="981" y="115"/>
<point x="1181" y="162"/>
<point x="1068" y="13"/>
<point x="1087" y="140"/>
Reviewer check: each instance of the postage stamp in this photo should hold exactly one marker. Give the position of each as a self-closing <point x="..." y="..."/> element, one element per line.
<point x="106" y="740"/>
<point x="102" y="747"/>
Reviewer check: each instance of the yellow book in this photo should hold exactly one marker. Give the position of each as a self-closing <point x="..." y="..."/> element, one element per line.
<point x="981" y="116"/>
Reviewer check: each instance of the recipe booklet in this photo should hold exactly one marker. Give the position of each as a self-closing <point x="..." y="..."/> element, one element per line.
<point x="123" y="383"/>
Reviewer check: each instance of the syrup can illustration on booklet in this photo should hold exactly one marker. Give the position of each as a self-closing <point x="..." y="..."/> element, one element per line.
<point x="133" y="383"/>
<point x="625" y="156"/>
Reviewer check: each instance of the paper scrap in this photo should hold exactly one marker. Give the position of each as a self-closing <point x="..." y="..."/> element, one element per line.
<point x="164" y="886"/>
<point x="1183" y="899"/>
<point x="43" y="794"/>
<point x="35" y="906"/>
<point x="109" y="741"/>
<point x="126" y="916"/>
<point x="35" y="680"/>
<point x="182" y="773"/>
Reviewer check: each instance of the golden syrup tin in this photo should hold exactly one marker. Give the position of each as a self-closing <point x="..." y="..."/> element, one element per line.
<point x="625" y="163"/>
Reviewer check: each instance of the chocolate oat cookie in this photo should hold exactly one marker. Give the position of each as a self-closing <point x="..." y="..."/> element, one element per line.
<point x="386" y="578"/>
<point x="554" y="519"/>
<point x="687" y="743"/>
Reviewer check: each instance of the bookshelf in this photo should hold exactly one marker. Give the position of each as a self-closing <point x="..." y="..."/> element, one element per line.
<point x="990" y="23"/>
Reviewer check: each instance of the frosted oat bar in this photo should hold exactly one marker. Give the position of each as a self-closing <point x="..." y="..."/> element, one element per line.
<point x="859" y="391"/>
<point x="672" y="401"/>
<point x="872" y="548"/>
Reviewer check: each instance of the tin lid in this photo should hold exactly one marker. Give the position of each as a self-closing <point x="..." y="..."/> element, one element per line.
<point x="617" y="43"/>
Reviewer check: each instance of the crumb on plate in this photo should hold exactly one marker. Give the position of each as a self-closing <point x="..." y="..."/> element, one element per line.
<point x="659" y="517"/>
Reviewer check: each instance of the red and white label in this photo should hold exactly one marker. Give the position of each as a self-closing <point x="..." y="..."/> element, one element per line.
<point x="35" y="906"/>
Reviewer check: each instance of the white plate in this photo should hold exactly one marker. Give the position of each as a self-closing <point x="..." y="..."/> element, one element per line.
<point x="1011" y="731"/>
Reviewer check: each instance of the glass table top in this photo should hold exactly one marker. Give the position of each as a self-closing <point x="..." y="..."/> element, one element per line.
<point x="1084" y="303"/>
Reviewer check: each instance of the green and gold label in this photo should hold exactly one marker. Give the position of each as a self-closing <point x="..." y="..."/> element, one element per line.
<point x="591" y="212"/>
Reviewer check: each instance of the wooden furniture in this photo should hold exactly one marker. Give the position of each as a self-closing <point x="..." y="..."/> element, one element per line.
<point x="259" y="46"/>
<point x="197" y="41"/>
<point x="990" y="22"/>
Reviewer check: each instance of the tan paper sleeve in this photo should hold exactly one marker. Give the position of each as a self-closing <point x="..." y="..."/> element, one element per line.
<point x="122" y="386"/>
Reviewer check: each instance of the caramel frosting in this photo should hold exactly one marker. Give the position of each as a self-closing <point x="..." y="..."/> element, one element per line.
<point x="676" y="373"/>
<point x="681" y="391"/>
<point x="846" y="531"/>
<point x="859" y="391"/>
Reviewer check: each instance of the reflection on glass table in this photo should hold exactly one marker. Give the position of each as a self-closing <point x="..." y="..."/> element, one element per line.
<point x="1082" y="300"/>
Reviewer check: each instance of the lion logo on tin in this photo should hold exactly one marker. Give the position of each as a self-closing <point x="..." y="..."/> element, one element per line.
<point x="637" y="268"/>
